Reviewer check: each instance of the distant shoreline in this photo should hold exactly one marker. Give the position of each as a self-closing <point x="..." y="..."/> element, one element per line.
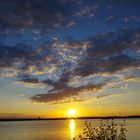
<point x="39" y="119"/>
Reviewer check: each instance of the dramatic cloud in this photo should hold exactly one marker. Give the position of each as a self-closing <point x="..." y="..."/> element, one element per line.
<point x="25" y="58"/>
<point x="108" y="53"/>
<point x="69" y="48"/>
<point x="48" y="15"/>
<point x="109" y="57"/>
<point x="13" y="57"/>
<point x="67" y="92"/>
<point x="111" y="65"/>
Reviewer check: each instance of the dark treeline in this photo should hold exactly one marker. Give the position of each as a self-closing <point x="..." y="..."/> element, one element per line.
<point x="95" y="117"/>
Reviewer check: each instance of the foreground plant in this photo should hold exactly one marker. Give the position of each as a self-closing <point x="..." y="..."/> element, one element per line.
<point x="105" y="131"/>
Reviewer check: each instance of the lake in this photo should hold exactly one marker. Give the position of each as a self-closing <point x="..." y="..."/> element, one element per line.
<point x="57" y="129"/>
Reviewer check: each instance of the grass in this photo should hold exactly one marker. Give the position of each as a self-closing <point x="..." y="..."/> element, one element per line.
<point x="105" y="131"/>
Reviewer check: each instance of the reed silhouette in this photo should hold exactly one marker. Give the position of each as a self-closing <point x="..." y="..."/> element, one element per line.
<point x="108" y="130"/>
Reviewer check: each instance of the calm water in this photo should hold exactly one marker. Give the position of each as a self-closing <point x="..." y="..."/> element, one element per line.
<point x="56" y="130"/>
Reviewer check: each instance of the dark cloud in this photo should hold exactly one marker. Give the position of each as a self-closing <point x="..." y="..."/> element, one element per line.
<point x="104" y="41"/>
<point x="121" y="62"/>
<point x="110" y="65"/>
<point x="34" y="14"/>
<point x="67" y="92"/>
<point x="44" y="16"/>
<point x="60" y="84"/>
<point x="28" y="79"/>
<point x="10" y="56"/>
<point x="25" y="57"/>
<point x="107" y="53"/>
<point x="110" y="43"/>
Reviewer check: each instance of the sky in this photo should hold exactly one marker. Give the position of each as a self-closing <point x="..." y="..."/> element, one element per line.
<point x="57" y="55"/>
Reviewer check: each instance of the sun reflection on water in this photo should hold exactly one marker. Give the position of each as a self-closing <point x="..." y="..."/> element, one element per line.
<point x="72" y="128"/>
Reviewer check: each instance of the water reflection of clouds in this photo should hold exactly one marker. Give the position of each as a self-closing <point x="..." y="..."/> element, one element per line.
<point x="72" y="128"/>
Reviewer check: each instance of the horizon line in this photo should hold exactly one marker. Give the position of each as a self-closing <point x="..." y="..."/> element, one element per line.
<point x="66" y="118"/>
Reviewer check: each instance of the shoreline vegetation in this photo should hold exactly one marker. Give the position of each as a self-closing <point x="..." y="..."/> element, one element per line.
<point x="67" y="118"/>
<point x="108" y="130"/>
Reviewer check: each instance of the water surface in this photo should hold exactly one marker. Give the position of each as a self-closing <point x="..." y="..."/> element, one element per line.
<point x="57" y="129"/>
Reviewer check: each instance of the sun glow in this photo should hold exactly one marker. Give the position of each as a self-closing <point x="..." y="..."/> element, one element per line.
<point x="71" y="112"/>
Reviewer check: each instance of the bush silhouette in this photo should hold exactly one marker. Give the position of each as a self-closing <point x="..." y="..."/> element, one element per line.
<point x="105" y="131"/>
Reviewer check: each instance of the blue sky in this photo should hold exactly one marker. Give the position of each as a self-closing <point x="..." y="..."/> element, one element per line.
<point x="60" y="54"/>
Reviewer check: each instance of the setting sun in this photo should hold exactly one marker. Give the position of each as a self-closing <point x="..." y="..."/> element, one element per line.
<point x="71" y="112"/>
